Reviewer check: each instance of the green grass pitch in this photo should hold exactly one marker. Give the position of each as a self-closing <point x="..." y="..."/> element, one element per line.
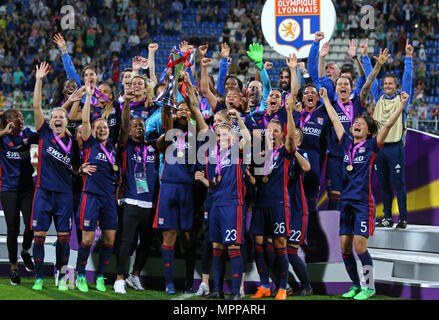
<point x="50" y="292"/>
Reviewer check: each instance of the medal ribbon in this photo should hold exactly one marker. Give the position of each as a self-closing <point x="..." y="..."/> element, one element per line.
<point x="108" y="155"/>
<point x="144" y="156"/>
<point x="352" y="152"/>
<point x="180" y="142"/>
<point x="133" y="104"/>
<point x="62" y="145"/>
<point x="267" y="167"/>
<point x="350" y="113"/>
<point x="103" y="96"/>
<point x="308" y="117"/>
<point x="220" y="161"/>
<point x="266" y="120"/>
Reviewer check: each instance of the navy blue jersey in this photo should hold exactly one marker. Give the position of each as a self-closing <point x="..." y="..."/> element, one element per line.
<point x="139" y="110"/>
<point x="54" y="166"/>
<point x="177" y="169"/>
<point x="15" y="161"/>
<point x="248" y="121"/>
<point x="274" y="191"/>
<point x="261" y="119"/>
<point x="295" y="185"/>
<point x="357" y="184"/>
<point x="347" y="119"/>
<point x="315" y="129"/>
<point x="103" y="181"/>
<point x="133" y="170"/>
<point x="230" y="188"/>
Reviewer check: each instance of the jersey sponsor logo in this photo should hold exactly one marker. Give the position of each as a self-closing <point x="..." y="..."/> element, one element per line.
<point x="102" y="157"/>
<point x="312" y="131"/>
<point x="138" y="159"/>
<point x="18" y="155"/>
<point x="343" y="118"/>
<point x="58" y="155"/>
<point x="359" y="159"/>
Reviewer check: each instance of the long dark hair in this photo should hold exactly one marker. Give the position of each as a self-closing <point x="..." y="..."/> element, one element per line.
<point x="58" y="95"/>
<point x="372" y="125"/>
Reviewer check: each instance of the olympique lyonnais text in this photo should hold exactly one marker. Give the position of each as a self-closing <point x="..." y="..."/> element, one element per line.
<point x="284" y="7"/>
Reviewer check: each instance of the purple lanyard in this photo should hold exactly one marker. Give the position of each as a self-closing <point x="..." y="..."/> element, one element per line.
<point x="267" y="167"/>
<point x="308" y="117"/>
<point x="350" y="113"/>
<point x="103" y="96"/>
<point x="108" y="155"/>
<point x="352" y="152"/>
<point x="62" y="145"/>
<point x="220" y="161"/>
<point x="266" y="120"/>
<point x="133" y="104"/>
<point x="144" y="157"/>
<point x="180" y="142"/>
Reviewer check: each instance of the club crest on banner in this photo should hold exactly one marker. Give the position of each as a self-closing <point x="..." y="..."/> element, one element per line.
<point x="289" y="26"/>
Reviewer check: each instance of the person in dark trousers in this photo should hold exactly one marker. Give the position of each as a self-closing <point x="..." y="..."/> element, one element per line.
<point x="17" y="186"/>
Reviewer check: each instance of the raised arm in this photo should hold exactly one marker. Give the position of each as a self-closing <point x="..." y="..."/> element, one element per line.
<point x="67" y="61"/>
<point x="193" y="103"/>
<point x="246" y="137"/>
<point x="290" y="142"/>
<point x="294" y="82"/>
<point x="313" y="59"/>
<point x="377" y="92"/>
<point x="384" y="131"/>
<point x="338" y="127"/>
<point x="86" y="125"/>
<point x="152" y="48"/>
<point x="125" y="123"/>
<point x="381" y="60"/>
<point x="323" y="53"/>
<point x="73" y="98"/>
<point x="40" y="73"/>
<point x="407" y="78"/>
<point x="204" y="84"/>
<point x="352" y="52"/>
<point x="223" y="69"/>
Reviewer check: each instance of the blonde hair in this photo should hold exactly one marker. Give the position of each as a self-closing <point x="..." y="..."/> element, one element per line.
<point x="149" y="84"/>
<point x="109" y="105"/>
<point x="66" y="115"/>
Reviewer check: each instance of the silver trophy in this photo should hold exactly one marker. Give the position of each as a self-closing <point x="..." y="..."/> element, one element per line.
<point x="166" y="97"/>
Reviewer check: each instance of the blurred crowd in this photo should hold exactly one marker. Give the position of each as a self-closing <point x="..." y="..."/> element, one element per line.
<point x="108" y="32"/>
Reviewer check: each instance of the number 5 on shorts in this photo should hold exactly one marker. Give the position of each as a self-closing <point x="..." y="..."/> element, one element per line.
<point x="363" y="226"/>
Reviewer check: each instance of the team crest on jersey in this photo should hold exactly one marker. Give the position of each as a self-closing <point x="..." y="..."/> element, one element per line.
<point x="320" y="121"/>
<point x="86" y="223"/>
<point x="34" y="223"/>
<point x="361" y="150"/>
<point x="295" y="21"/>
<point x="161" y="221"/>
